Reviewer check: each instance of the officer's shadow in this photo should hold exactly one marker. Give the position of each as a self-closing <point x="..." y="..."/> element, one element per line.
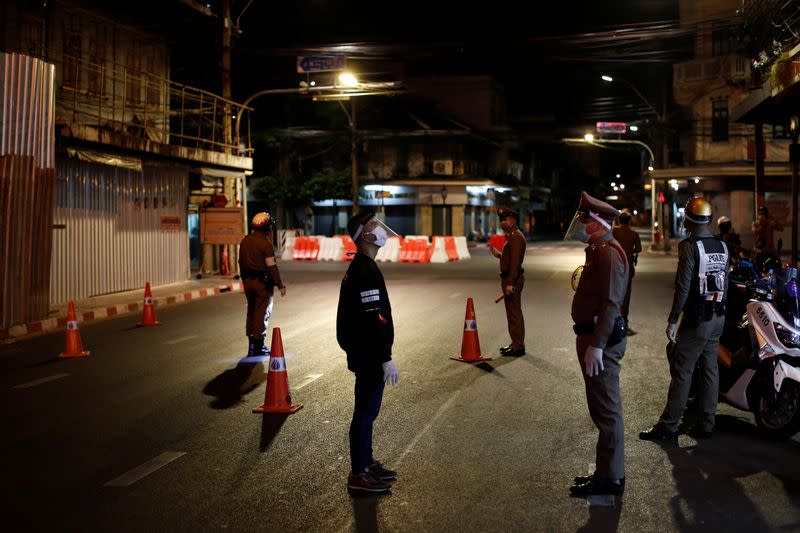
<point x="603" y="518"/>
<point x="365" y="513"/>
<point x="705" y="474"/>
<point x="230" y="387"/>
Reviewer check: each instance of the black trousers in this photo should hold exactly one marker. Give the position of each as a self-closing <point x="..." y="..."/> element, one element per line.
<point x="369" y="394"/>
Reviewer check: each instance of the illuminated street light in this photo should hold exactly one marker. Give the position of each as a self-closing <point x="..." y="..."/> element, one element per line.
<point x="618" y="176"/>
<point x="650" y="168"/>
<point x="588" y="137"/>
<point x="348" y="79"/>
<point x="607" y="78"/>
<point x="613" y="183"/>
<point x="697" y="180"/>
<point x="634" y="128"/>
<point x="622" y="186"/>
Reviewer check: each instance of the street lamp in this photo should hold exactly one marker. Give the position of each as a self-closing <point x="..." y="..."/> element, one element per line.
<point x="608" y="79"/>
<point x="588" y="137"/>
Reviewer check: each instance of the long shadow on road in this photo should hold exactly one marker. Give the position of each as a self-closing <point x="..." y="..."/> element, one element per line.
<point x="709" y="478"/>
<point x="229" y="387"/>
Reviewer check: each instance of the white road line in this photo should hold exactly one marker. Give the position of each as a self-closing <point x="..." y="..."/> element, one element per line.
<point x="181" y="339"/>
<point x="35" y="382"/>
<point x="311" y="378"/>
<point x="132" y="476"/>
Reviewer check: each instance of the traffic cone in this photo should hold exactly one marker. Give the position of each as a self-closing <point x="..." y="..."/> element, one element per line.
<point x="470" y="345"/>
<point x="276" y="397"/>
<point x="149" y="313"/>
<point x="73" y="346"/>
<point x="225" y="268"/>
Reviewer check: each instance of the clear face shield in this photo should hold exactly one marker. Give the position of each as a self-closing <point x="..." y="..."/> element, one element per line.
<point x="374" y="231"/>
<point x="585" y="224"/>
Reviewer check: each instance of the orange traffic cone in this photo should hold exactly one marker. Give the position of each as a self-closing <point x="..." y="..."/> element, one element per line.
<point x="277" y="398"/>
<point x="149" y="313"/>
<point x="74" y="346"/>
<point x="470" y="345"/>
<point x="225" y="268"/>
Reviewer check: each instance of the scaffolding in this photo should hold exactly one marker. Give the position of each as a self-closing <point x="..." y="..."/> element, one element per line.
<point x="112" y="97"/>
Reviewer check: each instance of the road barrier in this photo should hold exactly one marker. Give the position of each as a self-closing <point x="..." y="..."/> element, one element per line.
<point x="411" y="249"/>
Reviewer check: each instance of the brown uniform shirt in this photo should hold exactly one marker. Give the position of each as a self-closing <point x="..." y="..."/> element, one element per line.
<point x="512" y="256"/>
<point x="253" y="252"/>
<point x="629" y="240"/>
<point x="601" y="289"/>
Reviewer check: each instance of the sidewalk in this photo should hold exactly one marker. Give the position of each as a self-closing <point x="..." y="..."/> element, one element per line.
<point x="123" y="303"/>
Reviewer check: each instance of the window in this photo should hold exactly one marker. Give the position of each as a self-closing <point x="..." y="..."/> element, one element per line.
<point x="781" y="131"/>
<point x="721" y="39"/>
<point x="72" y="58"/>
<point x="719" y="120"/>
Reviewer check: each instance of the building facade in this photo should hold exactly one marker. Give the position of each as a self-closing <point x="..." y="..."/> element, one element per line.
<point x="715" y="155"/>
<point x="133" y="154"/>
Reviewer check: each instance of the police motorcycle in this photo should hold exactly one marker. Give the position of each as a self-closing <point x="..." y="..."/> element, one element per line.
<point x="759" y="350"/>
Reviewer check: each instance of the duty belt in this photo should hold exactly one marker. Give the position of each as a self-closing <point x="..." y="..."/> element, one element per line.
<point x="253" y="274"/>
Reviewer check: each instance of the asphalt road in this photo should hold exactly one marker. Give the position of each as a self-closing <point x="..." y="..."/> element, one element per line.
<point x="492" y="447"/>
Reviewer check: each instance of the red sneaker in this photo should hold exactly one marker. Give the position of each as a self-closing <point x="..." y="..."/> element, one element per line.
<point x="366" y="482"/>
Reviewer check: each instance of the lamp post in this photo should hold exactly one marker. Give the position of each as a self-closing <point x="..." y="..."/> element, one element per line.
<point x="591" y="140"/>
<point x="444" y="210"/>
<point x="794" y="160"/>
<point x="660" y="122"/>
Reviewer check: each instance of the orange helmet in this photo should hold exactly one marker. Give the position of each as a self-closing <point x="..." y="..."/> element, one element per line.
<point x="261" y="220"/>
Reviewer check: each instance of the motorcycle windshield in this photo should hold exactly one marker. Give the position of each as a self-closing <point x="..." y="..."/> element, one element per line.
<point x="789" y="296"/>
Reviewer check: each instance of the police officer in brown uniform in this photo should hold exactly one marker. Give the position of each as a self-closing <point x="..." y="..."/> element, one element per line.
<point x="632" y="245"/>
<point x="512" y="280"/>
<point x="601" y="340"/>
<point x="260" y="276"/>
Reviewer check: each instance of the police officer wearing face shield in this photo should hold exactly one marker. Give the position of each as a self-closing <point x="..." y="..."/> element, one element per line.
<point x="365" y="331"/>
<point x="700" y="290"/>
<point x="601" y="340"/>
<point x="512" y="280"/>
<point x="260" y="275"/>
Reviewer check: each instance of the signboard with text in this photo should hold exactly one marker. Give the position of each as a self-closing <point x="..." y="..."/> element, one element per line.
<point x="612" y="127"/>
<point x="331" y="63"/>
<point x="221" y="225"/>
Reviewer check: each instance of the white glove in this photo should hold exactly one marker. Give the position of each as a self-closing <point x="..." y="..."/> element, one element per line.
<point x="390" y="374"/>
<point x="671" y="330"/>
<point x="593" y="361"/>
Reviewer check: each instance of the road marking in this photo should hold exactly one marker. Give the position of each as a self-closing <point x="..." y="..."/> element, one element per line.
<point x="181" y="339"/>
<point x="445" y="406"/>
<point x="455" y="295"/>
<point x="311" y="378"/>
<point x="39" y="381"/>
<point x="132" y="476"/>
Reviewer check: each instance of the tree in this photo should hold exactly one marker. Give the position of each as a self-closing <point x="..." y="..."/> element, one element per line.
<point x="335" y="185"/>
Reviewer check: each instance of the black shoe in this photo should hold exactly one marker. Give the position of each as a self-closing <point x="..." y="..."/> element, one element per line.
<point x="597" y="487"/>
<point x="377" y="470"/>
<point x="698" y="433"/>
<point x="505" y="349"/>
<point x="515" y="352"/>
<point x="578" y="480"/>
<point x="659" y="432"/>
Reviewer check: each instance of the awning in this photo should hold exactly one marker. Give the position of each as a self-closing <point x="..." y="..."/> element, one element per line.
<point x="218" y="173"/>
<point x="105" y="158"/>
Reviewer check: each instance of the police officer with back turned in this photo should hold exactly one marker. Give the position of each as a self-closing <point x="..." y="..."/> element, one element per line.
<point x="700" y="291"/>
<point x="260" y="275"/>
<point x="601" y="341"/>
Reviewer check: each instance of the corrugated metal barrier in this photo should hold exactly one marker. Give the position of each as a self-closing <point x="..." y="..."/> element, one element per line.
<point x="116" y="228"/>
<point x="27" y="140"/>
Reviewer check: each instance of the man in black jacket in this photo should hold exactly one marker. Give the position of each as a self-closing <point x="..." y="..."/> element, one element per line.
<point x="365" y="331"/>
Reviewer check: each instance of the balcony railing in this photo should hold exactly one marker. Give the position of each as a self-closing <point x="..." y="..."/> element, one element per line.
<point x="729" y="67"/>
<point x="112" y="97"/>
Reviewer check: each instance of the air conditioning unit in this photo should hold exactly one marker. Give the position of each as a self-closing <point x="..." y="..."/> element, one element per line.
<point x="443" y="166"/>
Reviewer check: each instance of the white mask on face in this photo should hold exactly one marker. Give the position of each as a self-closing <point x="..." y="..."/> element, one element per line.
<point x="380" y="236"/>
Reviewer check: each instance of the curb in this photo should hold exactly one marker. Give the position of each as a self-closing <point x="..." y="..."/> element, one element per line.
<point x="59" y="322"/>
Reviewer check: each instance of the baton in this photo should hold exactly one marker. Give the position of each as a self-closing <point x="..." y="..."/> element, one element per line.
<point x="499" y="298"/>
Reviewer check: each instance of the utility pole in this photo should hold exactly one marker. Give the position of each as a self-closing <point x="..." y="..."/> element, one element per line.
<point x="354" y="153"/>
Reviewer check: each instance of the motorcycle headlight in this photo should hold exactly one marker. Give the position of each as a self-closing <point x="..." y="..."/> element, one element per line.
<point x="788" y="338"/>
